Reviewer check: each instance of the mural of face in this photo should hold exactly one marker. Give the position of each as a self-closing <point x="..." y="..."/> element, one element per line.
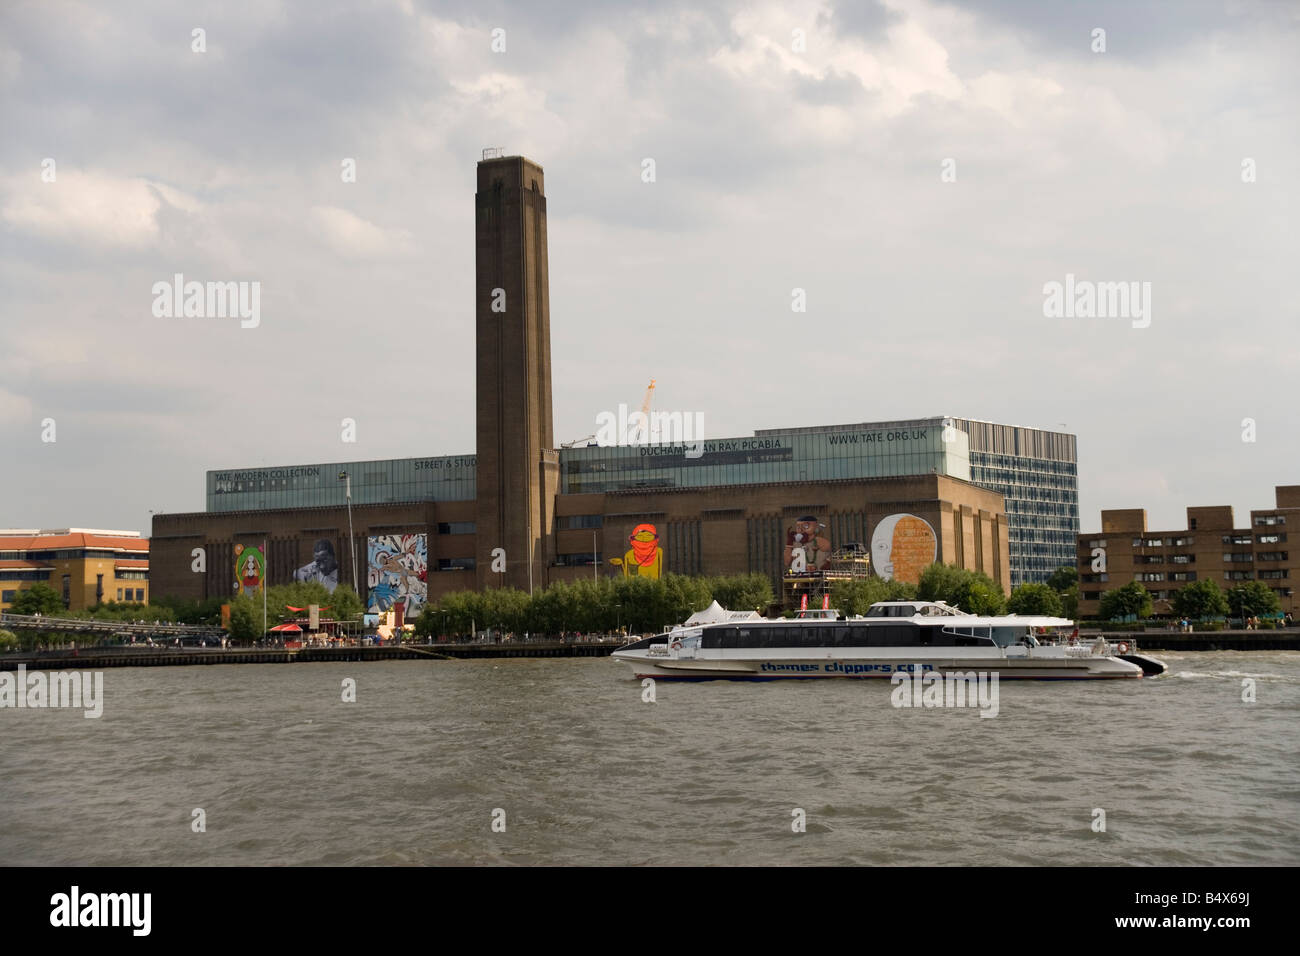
<point x="901" y="546"/>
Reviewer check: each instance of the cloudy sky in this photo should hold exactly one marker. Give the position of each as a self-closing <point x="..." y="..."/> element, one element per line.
<point x="921" y="169"/>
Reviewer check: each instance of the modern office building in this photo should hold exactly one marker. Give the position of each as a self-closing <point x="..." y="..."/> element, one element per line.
<point x="521" y="512"/>
<point x="1036" y="471"/>
<point x="1212" y="547"/>
<point x="84" y="565"/>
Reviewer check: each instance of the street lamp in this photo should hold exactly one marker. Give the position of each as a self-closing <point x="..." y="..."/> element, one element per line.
<point x="344" y="476"/>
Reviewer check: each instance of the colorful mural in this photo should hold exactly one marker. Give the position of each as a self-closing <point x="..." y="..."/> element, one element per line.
<point x="250" y="570"/>
<point x="901" y="546"/>
<point x="397" y="567"/>
<point x="644" y="559"/>
<point x="807" y="548"/>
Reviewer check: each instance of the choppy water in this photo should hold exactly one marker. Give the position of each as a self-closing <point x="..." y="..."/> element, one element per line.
<point x="589" y="774"/>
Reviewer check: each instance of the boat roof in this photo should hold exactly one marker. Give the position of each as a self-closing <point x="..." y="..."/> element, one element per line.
<point x="938" y="613"/>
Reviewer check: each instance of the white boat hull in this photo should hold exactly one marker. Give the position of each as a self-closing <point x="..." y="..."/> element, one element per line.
<point x="667" y="667"/>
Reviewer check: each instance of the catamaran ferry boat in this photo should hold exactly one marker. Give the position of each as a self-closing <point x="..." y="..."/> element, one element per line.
<point x="894" y="636"/>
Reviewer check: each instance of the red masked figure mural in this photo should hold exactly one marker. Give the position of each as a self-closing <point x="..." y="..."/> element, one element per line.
<point x="645" y="559"/>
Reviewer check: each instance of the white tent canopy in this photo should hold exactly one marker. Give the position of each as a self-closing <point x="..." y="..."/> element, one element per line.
<point x="715" y="613"/>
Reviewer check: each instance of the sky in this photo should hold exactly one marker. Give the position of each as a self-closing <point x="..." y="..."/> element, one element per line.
<point x="922" y="171"/>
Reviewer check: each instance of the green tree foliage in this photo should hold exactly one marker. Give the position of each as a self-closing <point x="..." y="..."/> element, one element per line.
<point x="8" y="641"/>
<point x="1063" y="578"/>
<point x="637" y="604"/>
<point x="1201" y="600"/>
<point x="1036" y="599"/>
<point x="1253" y="598"/>
<point x="37" y="599"/>
<point x="1070" y="602"/>
<point x="744" y="592"/>
<point x="246" y="619"/>
<point x="1132" y="599"/>
<point x="855" y="597"/>
<point x="188" y="611"/>
<point x="972" y="591"/>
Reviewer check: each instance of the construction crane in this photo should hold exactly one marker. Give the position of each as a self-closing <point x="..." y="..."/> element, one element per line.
<point x="645" y="410"/>
<point x="570" y="444"/>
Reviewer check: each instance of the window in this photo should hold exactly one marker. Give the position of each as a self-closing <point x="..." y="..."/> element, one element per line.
<point x="7" y="597"/>
<point x="1269" y="520"/>
<point x="1273" y="555"/>
<point x="456" y="527"/>
<point x="1236" y="539"/>
<point x="1274" y="538"/>
<point x="1182" y="576"/>
<point x="24" y="575"/>
<point x="457" y="564"/>
<point x="1090" y="595"/>
<point x="1238" y="557"/>
<point x="1236" y="575"/>
<point x="1183" y="559"/>
<point x="1182" y="542"/>
<point x="1273" y="575"/>
<point x="569" y="522"/>
<point x="1151" y="576"/>
<point x="1148" y="559"/>
<point x="119" y="594"/>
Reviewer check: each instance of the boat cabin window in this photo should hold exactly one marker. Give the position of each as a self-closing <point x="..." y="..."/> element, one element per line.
<point x="841" y="634"/>
<point x="891" y="610"/>
<point x="1008" y="636"/>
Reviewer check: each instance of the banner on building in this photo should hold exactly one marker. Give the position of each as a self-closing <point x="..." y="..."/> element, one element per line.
<point x="323" y="567"/>
<point x="643" y="558"/>
<point x="807" y="546"/>
<point x="397" y="572"/>
<point x="901" y="547"/>
<point x="250" y="571"/>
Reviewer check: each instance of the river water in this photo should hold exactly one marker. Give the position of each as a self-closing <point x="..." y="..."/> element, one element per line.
<point x="583" y="771"/>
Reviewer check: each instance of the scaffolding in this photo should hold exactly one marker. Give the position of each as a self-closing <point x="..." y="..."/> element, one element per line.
<point x="846" y="564"/>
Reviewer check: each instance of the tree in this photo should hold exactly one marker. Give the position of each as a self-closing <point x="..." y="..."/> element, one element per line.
<point x="1070" y="602"/>
<point x="744" y="592"/>
<point x="971" y="591"/>
<point x="856" y="597"/>
<point x="1035" y="599"/>
<point x="1130" y="600"/>
<point x="1253" y="598"/>
<point x="8" y="641"/>
<point x="246" y="619"/>
<point x="1201" y="600"/>
<point x="1062" y="578"/>
<point x="37" y="599"/>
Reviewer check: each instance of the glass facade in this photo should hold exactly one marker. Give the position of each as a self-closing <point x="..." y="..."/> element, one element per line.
<point x="1036" y="471"/>
<point x="853" y="452"/>
<point x="449" y="478"/>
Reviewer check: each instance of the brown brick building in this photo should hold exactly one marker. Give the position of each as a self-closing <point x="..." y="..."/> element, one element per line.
<point x="1211" y="547"/>
<point x="522" y="513"/>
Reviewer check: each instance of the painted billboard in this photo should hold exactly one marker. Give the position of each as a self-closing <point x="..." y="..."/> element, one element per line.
<point x="901" y="546"/>
<point x="397" y="569"/>
<point x="807" y="548"/>
<point x="250" y="570"/>
<point x="644" y="559"/>
<point x="324" y="566"/>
